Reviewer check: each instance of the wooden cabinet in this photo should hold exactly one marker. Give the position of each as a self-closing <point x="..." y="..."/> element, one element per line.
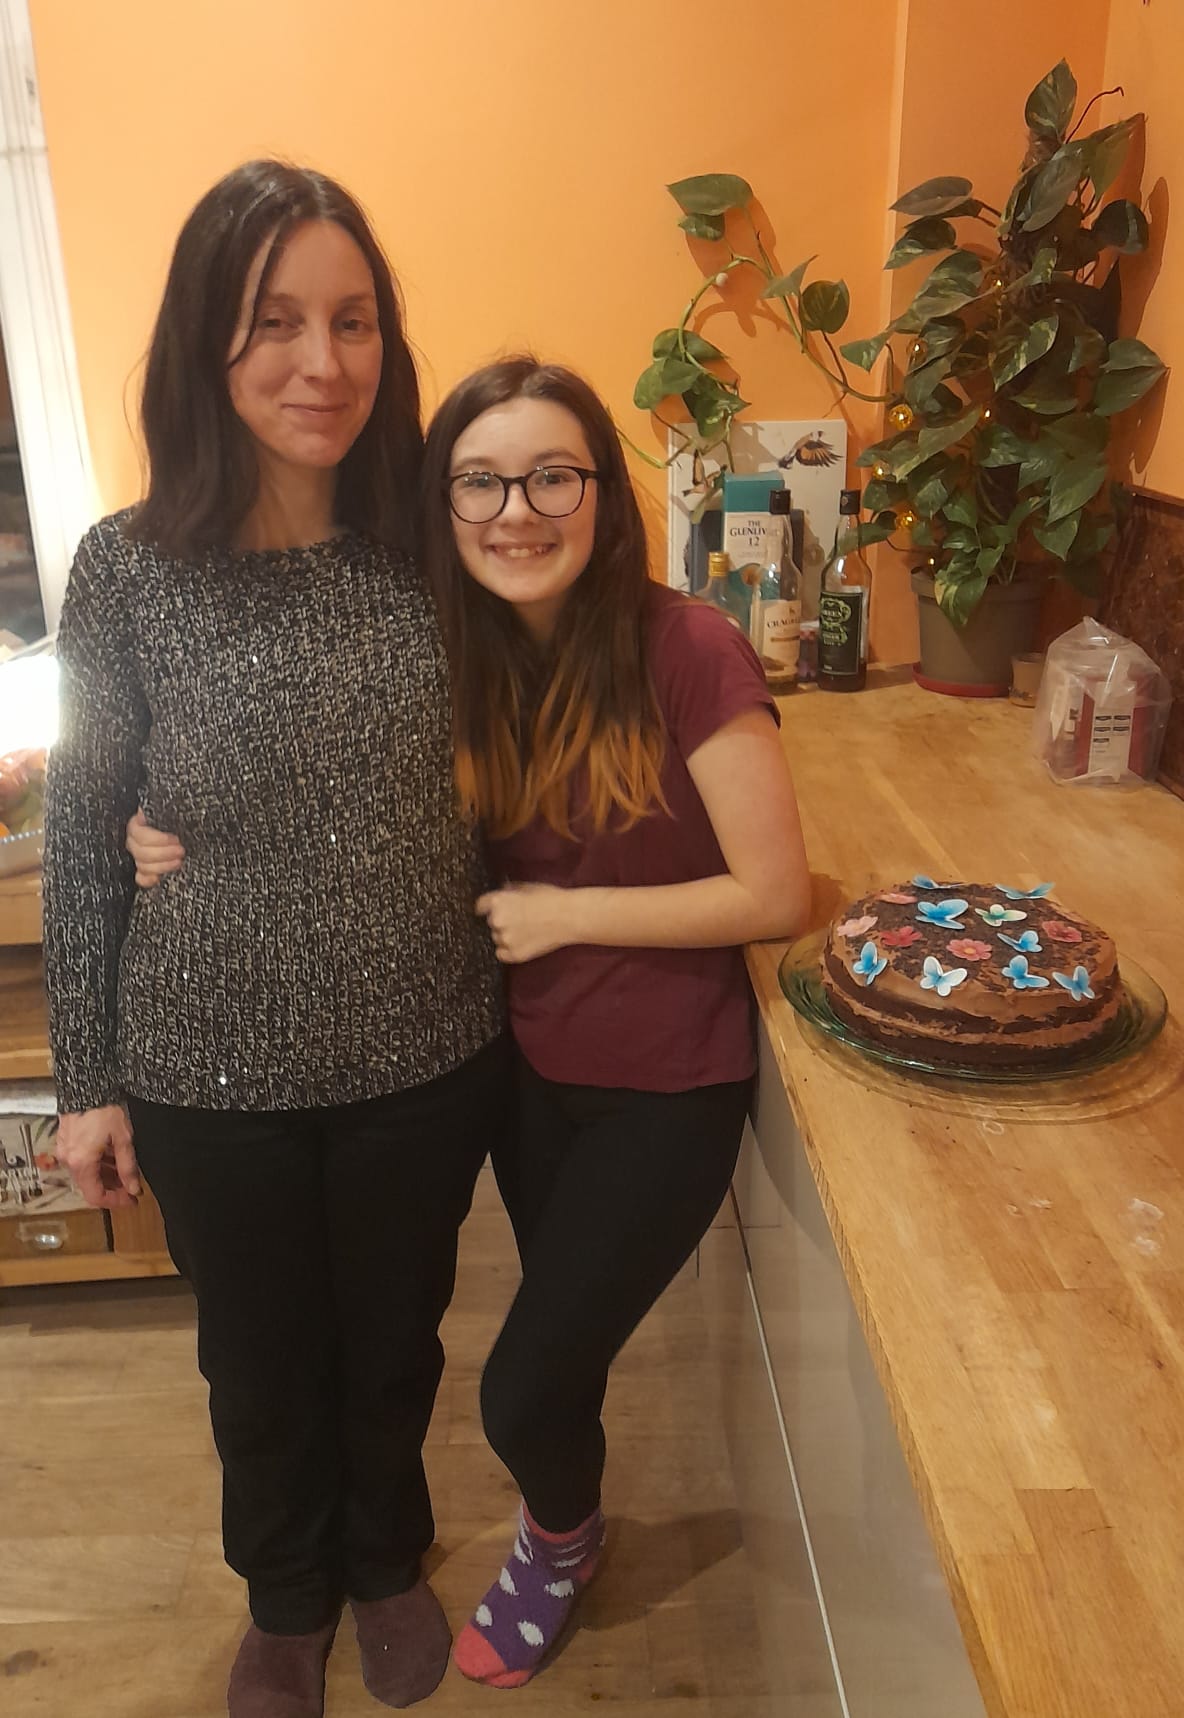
<point x="38" y="1243"/>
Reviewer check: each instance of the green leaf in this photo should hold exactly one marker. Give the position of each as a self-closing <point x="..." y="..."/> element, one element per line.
<point x="1053" y="185"/>
<point x="919" y="237"/>
<point x="1085" y="575"/>
<point x="879" y="494"/>
<point x="923" y="534"/>
<point x="942" y="334"/>
<point x="1044" y="265"/>
<point x="934" y="197"/>
<point x="1103" y="152"/>
<point x="953" y="282"/>
<point x="1050" y="106"/>
<point x="1122" y="225"/>
<point x="863" y="353"/>
<point x="929" y="487"/>
<point x="935" y="440"/>
<point x="870" y="531"/>
<point x="703" y="226"/>
<point x="701" y="350"/>
<point x="989" y="558"/>
<point x="694" y="345"/>
<point x="921" y="385"/>
<point x="1073" y="485"/>
<point x="1131" y="355"/>
<point x="1080" y="433"/>
<point x="711" y="193"/>
<point x="1118" y="389"/>
<point x="668" y="376"/>
<point x="826" y="305"/>
<point x="962" y="508"/>
<point x="1016" y="354"/>
<point x="958" y="598"/>
<point x="999" y="446"/>
<point x="1048" y="397"/>
<point x="1088" y="348"/>
<point x="1057" y="539"/>
<point x="788" y="285"/>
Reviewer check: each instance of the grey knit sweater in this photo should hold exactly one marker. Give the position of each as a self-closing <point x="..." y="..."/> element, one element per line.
<point x="286" y="714"/>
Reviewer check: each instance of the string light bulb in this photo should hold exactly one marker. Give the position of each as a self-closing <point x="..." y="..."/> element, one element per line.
<point x="906" y="519"/>
<point x="900" y="416"/>
<point x="880" y="470"/>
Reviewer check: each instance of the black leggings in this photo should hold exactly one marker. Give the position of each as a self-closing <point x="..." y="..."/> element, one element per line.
<point x="321" y="1246"/>
<point x="609" y="1192"/>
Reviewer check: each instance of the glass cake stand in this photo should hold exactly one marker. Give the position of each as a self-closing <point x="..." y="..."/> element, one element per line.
<point x="1141" y="1016"/>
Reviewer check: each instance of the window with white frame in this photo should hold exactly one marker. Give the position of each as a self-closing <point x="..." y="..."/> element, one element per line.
<point x="46" y="485"/>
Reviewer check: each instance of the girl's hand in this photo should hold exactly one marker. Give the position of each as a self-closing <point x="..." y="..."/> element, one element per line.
<point x="527" y="920"/>
<point x="96" y="1147"/>
<point x="155" y="853"/>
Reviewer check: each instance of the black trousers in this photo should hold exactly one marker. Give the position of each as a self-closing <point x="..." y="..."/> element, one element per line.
<point x="321" y="1247"/>
<point x="609" y="1192"/>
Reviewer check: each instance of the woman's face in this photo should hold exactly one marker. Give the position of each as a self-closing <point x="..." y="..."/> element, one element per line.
<point x="525" y="557"/>
<point x="306" y="382"/>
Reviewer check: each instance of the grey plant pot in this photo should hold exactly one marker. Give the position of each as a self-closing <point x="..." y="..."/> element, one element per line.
<point x="974" y="661"/>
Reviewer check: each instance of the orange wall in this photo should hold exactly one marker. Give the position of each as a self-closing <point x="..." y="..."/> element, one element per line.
<point x="1145" y="53"/>
<point x="514" y="157"/>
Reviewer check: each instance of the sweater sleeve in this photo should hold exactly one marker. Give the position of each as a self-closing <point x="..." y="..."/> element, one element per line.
<point x="92" y="788"/>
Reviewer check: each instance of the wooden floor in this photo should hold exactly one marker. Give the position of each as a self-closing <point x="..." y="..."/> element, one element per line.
<point x="115" y="1602"/>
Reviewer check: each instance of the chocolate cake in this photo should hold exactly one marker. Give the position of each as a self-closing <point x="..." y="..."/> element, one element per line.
<point x="975" y="973"/>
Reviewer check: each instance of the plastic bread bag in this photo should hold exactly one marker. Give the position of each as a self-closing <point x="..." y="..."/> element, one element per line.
<point x="1102" y="709"/>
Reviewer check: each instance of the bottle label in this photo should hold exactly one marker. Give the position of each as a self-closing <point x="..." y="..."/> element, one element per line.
<point x="842" y="618"/>
<point x="781" y="632"/>
<point x="751" y="538"/>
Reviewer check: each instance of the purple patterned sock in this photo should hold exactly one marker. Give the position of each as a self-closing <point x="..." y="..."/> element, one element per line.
<point x="521" y="1616"/>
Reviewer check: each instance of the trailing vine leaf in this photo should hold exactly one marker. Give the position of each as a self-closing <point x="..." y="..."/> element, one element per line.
<point x="826" y="305"/>
<point x="919" y="237"/>
<point x="1058" y="539"/>
<point x="1123" y="226"/>
<point x="694" y="344"/>
<point x="668" y="376"/>
<point x="703" y="226"/>
<point x="999" y="446"/>
<point x="959" y="597"/>
<point x="953" y="282"/>
<point x="1023" y="349"/>
<point x="1118" y="389"/>
<point x="962" y="508"/>
<point x="929" y="487"/>
<point x="1088" y="348"/>
<point x="935" y="440"/>
<point x="788" y="285"/>
<point x="711" y="193"/>
<point x="1053" y="185"/>
<point x="879" y="494"/>
<point x="863" y="353"/>
<point x="1050" y="106"/>
<point x="934" y="197"/>
<point x="1073" y="484"/>
<point x="1103" y="152"/>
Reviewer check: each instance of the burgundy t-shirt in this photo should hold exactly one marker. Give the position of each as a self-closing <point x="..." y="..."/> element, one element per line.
<point x="655" y="1019"/>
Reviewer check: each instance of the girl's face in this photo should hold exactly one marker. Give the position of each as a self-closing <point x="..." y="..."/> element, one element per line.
<point x="307" y="380"/>
<point x="527" y="558"/>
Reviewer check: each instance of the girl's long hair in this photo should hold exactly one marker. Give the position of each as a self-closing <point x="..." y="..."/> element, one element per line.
<point x="202" y="469"/>
<point x="529" y="722"/>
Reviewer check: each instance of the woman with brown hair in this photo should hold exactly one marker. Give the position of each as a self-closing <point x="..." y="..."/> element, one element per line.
<point x="304" y="1025"/>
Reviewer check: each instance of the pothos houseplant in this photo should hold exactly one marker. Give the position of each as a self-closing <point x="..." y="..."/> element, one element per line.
<point x="1001" y="377"/>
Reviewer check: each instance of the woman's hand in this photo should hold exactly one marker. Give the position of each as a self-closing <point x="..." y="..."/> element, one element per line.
<point x="527" y="920"/>
<point x="96" y="1147"/>
<point x="155" y="853"/>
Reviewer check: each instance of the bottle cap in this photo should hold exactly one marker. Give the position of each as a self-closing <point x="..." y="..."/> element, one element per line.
<point x="717" y="564"/>
<point x="781" y="501"/>
<point x="848" y="502"/>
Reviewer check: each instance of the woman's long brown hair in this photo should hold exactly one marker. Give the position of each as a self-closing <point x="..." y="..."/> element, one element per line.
<point x="529" y="721"/>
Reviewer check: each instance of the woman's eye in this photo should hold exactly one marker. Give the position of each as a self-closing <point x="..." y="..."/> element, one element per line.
<point x="476" y="480"/>
<point x="356" y="325"/>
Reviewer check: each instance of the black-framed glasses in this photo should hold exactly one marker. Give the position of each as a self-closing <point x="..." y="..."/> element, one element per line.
<point x="555" y="491"/>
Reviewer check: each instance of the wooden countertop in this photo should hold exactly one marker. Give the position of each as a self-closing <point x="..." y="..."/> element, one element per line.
<point x="1016" y="1255"/>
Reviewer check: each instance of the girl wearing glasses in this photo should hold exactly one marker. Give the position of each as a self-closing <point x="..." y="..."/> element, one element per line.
<point x="618" y="745"/>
